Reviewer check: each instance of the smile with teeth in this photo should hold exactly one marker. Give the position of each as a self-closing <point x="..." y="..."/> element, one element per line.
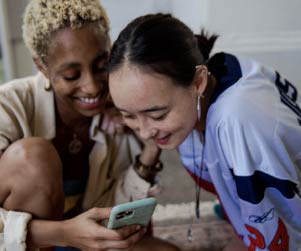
<point x="89" y="100"/>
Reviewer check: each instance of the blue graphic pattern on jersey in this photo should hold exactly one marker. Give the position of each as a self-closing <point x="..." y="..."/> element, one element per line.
<point x="263" y="218"/>
<point x="289" y="94"/>
<point x="252" y="188"/>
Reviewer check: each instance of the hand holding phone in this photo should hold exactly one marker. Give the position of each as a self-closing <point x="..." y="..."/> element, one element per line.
<point x="102" y="238"/>
<point x="137" y="212"/>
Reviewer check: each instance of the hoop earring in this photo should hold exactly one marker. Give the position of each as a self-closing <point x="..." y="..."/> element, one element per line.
<point x="198" y="107"/>
<point x="47" y="87"/>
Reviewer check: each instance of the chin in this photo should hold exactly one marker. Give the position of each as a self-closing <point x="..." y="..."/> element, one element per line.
<point x="91" y="113"/>
<point x="169" y="146"/>
<point x="88" y="110"/>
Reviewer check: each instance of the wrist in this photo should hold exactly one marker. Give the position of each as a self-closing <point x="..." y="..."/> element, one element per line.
<point x="147" y="172"/>
<point x="150" y="155"/>
<point x="42" y="233"/>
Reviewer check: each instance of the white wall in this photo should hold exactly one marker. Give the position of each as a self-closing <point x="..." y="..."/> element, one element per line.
<point x="268" y="30"/>
<point x="17" y="60"/>
<point x="122" y="12"/>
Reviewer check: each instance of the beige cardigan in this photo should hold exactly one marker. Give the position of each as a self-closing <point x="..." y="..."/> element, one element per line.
<point x="27" y="110"/>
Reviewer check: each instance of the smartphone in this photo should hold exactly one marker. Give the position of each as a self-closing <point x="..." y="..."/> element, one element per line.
<point x="137" y="212"/>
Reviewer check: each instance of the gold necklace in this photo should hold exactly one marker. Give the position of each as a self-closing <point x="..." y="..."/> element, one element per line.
<point x="75" y="145"/>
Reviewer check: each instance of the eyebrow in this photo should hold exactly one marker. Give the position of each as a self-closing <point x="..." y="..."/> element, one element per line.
<point x="68" y="65"/>
<point x="151" y="109"/>
<point x="99" y="57"/>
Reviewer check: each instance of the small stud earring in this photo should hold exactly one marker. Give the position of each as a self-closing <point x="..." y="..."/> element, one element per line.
<point x="208" y="72"/>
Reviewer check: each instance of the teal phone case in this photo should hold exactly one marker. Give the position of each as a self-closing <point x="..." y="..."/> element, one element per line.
<point x="136" y="212"/>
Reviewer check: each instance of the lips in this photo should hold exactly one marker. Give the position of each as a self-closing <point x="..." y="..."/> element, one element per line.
<point x="163" y="140"/>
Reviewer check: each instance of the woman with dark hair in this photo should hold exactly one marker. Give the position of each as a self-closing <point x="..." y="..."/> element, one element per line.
<point x="235" y="122"/>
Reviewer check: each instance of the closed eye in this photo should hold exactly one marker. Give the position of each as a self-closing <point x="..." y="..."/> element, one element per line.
<point x="72" y="78"/>
<point x="161" y="117"/>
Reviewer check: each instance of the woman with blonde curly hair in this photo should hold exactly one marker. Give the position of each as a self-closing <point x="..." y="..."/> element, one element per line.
<point x="60" y="171"/>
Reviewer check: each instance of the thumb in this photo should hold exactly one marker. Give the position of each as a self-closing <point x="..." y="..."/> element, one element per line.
<point x="99" y="213"/>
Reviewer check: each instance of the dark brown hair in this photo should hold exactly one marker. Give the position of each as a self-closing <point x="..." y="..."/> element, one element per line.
<point x="163" y="44"/>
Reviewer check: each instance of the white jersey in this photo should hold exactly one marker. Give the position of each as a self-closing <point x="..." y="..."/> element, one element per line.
<point x="252" y="152"/>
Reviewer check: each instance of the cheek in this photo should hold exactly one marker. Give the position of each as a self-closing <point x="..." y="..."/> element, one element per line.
<point x="180" y="121"/>
<point x="59" y="92"/>
<point x="187" y="113"/>
<point x="62" y="89"/>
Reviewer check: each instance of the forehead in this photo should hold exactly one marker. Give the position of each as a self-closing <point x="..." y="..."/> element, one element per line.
<point x="134" y="88"/>
<point x="77" y="44"/>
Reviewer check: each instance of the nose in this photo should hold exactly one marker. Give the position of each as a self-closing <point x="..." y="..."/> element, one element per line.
<point x="91" y="85"/>
<point x="146" y="131"/>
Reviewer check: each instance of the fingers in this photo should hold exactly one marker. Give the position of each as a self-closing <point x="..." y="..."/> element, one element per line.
<point x="115" y="235"/>
<point x="99" y="213"/>
<point x="112" y="123"/>
<point x="127" y="231"/>
<point x="119" y="128"/>
<point x="105" y="123"/>
<point x="122" y="243"/>
<point x="85" y="232"/>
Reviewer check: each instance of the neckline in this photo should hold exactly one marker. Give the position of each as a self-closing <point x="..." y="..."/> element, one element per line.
<point x="227" y="71"/>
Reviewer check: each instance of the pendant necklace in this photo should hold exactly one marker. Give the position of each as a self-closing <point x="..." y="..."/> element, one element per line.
<point x="75" y="145"/>
<point x="197" y="182"/>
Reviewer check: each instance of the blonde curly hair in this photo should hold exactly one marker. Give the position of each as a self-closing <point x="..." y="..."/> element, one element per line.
<point x="42" y="18"/>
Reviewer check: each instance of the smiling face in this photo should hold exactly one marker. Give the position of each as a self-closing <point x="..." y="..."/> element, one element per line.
<point x="76" y="66"/>
<point x="153" y="106"/>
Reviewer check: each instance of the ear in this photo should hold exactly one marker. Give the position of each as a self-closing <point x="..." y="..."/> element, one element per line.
<point x="41" y="66"/>
<point x="200" y="79"/>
